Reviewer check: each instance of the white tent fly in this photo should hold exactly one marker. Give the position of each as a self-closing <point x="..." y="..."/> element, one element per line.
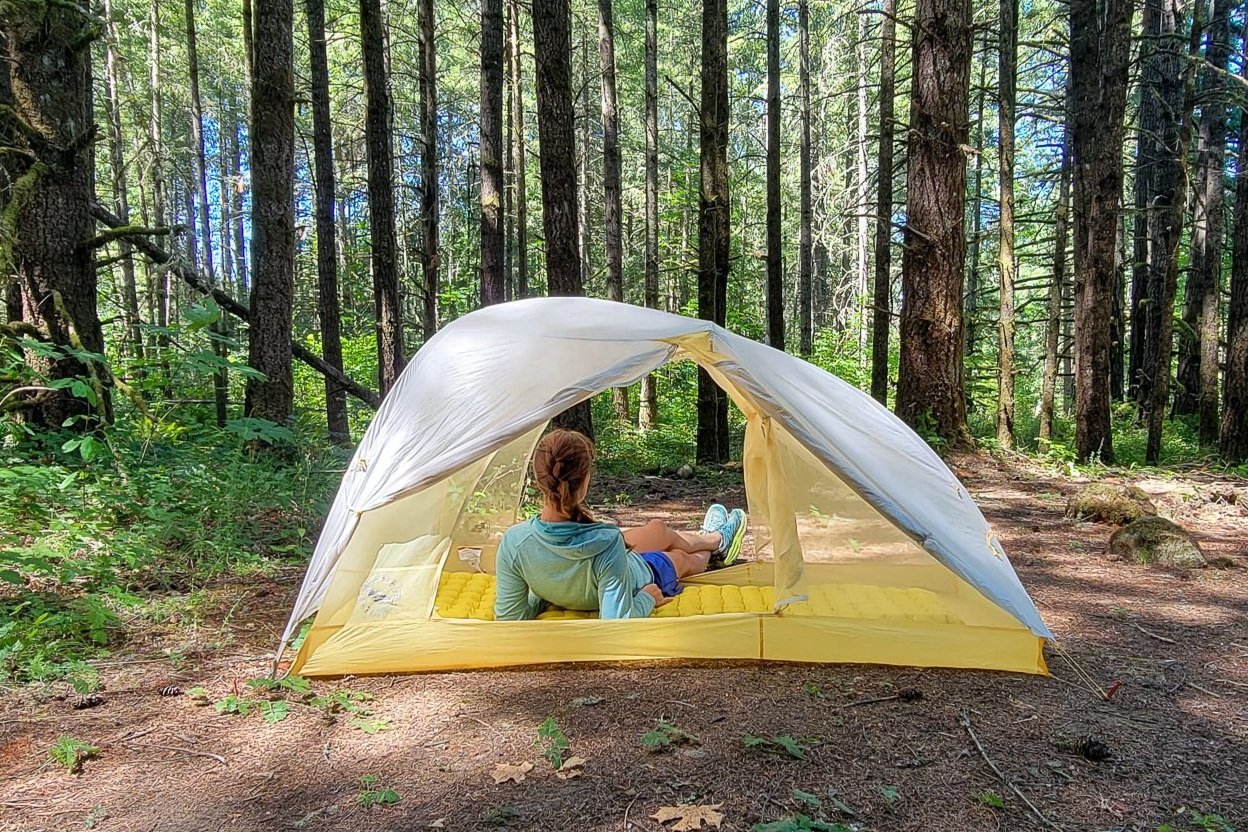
<point x="868" y="548"/>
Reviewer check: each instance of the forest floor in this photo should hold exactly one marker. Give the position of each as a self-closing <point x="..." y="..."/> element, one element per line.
<point x="1176" y="728"/>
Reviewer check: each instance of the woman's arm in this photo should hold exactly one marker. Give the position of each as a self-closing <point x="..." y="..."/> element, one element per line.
<point x="513" y="600"/>
<point x="616" y="596"/>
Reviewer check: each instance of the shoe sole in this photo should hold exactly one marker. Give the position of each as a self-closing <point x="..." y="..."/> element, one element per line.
<point x="734" y="547"/>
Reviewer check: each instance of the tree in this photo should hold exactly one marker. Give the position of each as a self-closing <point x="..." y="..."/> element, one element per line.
<point x="929" y="384"/>
<point x="1234" y="439"/>
<point x="775" y="274"/>
<point x="431" y="256"/>
<point x="648" y="414"/>
<point x="713" y="220"/>
<point x="1198" y="355"/>
<point x="273" y="212"/>
<point x="326" y="237"/>
<point x="1007" y="51"/>
<point x="805" y="256"/>
<point x="47" y="227"/>
<point x="1099" y="51"/>
<point x="518" y="162"/>
<point x="493" y="280"/>
<point x="611" y="178"/>
<point x="556" y="149"/>
<point x="1057" y="291"/>
<point x="378" y="127"/>
<point x="882" y="290"/>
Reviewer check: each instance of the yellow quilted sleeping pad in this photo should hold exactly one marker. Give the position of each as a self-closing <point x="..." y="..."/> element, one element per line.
<point x="471" y="595"/>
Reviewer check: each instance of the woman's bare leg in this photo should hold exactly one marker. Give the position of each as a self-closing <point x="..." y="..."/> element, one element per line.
<point x="688" y="564"/>
<point x="657" y="536"/>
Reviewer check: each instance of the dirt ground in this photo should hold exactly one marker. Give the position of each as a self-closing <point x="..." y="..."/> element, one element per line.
<point x="1175" y="730"/>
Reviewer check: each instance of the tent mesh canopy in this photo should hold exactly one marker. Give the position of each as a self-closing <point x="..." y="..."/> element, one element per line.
<point x="402" y="579"/>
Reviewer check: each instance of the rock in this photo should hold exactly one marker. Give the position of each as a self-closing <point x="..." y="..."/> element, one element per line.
<point x="684" y="472"/>
<point x="1117" y="504"/>
<point x="1156" y="540"/>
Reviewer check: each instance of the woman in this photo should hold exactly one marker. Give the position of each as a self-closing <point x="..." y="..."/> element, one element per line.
<point x="566" y="558"/>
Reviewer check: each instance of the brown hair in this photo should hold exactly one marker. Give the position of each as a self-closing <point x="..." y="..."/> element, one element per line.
<point x="562" y="464"/>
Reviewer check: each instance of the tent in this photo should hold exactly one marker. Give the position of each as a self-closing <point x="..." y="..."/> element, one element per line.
<point x="868" y="548"/>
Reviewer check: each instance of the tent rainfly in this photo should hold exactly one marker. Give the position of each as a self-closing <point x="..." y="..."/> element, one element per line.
<point x="869" y="549"/>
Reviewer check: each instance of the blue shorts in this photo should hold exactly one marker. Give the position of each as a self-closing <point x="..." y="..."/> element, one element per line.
<point x="663" y="571"/>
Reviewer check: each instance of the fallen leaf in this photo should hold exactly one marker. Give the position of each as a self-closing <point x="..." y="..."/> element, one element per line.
<point x="689" y="816"/>
<point x="571" y="768"/>
<point x="440" y="823"/>
<point x="513" y="772"/>
<point x="586" y="701"/>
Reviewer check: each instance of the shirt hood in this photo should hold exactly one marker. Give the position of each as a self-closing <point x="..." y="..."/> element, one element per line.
<point x="576" y="541"/>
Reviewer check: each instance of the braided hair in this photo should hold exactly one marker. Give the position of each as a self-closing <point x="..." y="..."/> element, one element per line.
<point x="562" y="464"/>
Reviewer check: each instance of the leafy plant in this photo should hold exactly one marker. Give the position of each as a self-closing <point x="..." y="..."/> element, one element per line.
<point x="665" y="735"/>
<point x="890" y="793"/>
<point x="500" y="815"/>
<point x="371" y="725"/>
<point x="782" y="745"/>
<point x="990" y="799"/>
<point x="343" y="701"/>
<point x="297" y="685"/>
<point x="274" y="711"/>
<point x="72" y="754"/>
<point x="552" y="741"/>
<point x="372" y="795"/>
<point x="1210" y="822"/>
<point x="801" y="823"/>
<point x="233" y="704"/>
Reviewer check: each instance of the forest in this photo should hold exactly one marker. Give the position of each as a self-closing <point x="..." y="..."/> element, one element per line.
<point x="226" y="226"/>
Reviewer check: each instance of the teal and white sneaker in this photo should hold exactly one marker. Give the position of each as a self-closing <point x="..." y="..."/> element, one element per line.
<point x="732" y="533"/>
<point x="716" y="516"/>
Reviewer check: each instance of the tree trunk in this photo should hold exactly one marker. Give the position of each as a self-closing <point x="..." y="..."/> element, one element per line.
<point x="648" y="413"/>
<point x="862" y="237"/>
<point x="156" y="161"/>
<point x="431" y="254"/>
<point x="121" y="202"/>
<point x="239" y="215"/>
<point x="929" y="385"/>
<point x="775" y="273"/>
<point x="1198" y="363"/>
<point x="805" y="258"/>
<point x="326" y="230"/>
<point x="613" y="207"/>
<point x="971" y="301"/>
<point x="1234" y="441"/>
<point x="556" y="146"/>
<point x="518" y="163"/>
<point x="1007" y="50"/>
<point x="46" y="219"/>
<point x="272" y="216"/>
<point x="883" y="289"/>
<point x="1048" y="386"/>
<point x="493" y="283"/>
<point x="714" y="219"/>
<point x="582" y="177"/>
<point x="1100" y="48"/>
<point x="378" y="127"/>
<point x="509" y="172"/>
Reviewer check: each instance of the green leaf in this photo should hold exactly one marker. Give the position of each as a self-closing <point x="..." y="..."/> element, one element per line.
<point x="275" y="711"/>
<point x="809" y="799"/>
<point x="990" y="799"/>
<point x="372" y="725"/>
<point x="791" y="747"/>
<point x="890" y="793"/>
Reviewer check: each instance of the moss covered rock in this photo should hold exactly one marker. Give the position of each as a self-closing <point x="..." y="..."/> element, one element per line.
<point x="1156" y="540"/>
<point x="1111" y="503"/>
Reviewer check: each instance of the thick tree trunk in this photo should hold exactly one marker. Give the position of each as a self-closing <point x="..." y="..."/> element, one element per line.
<point x="431" y="253"/>
<point x="613" y="207"/>
<point x="805" y="257"/>
<point x="775" y="272"/>
<point x="1057" y="290"/>
<point x="713" y="220"/>
<point x="1198" y="362"/>
<point x="273" y="213"/>
<point x="1007" y="51"/>
<point x="518" y="162"/>
<point x="862" y="235"/>
<point x="582" y="176"/>
<point x="378" y="127"/>
<point x="556" y="146"/>
<point x="882" y="289"/>
<point x="121" y="200"/>
<point x="493" y="282"/>
<point x="648" y="412"/>
<point x="970" y="314"/>
<point x="326" y="230"/>
<point x="46" y="218"/>
<point x="1100" y="48"/>
<point x="1234" y="440"/>
<point x="929" y="385"/>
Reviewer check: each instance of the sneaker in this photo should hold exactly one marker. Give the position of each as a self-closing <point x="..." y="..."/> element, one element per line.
<point x="716" y="515"/>
<point x="732" y="533"/>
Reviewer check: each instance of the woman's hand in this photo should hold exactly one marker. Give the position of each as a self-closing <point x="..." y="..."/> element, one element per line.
<point x="657" y="594"/>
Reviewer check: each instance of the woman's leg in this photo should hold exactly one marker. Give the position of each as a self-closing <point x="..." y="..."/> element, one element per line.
<point x="657" y="536"/>
<point x="688" y="564"/>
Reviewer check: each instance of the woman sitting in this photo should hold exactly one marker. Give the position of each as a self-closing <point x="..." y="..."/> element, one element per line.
<point x="566" y="558"/>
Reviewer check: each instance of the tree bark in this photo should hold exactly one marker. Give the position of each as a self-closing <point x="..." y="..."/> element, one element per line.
<point x="613" y="205"/>
<point x="493" y="282"/>
<point x="1007" y="53"/>
<point x="121" y="199"/>
<point x="272" y="215"/>
<point x="970" y="313"/>
<point x="518" y="163"/>
<point x="775" y="273"/>
<point x="929" y="385"/>
<point x="805" y="268"/>
<point x="714" y="219"/>
<point x="1198" y="361"/>
<point x="378" y="127"/>
<point x="431" y="253"/>
<point x="556" y="147"/>
<point x="882" y="289"/>
<point x="862" y="236"/>
<point x="648" y="413"/>
<point x="1057" y="291"/>
<point x="45" y="216"/>
<point x="1234" y="439"/>
<point x="156" y="161"/>
<point x="1100" y="48"/>
<point x="326" y="230"/>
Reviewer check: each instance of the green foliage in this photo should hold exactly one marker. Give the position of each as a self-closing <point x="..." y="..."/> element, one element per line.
<point x="234" y="704"/>
<point x="273" y="711"/>
<point x="72" y="754"/>
<point x="552" y="742"/>
<point x="500" y="815"/>
<point x="990" y="799"/>
<point x="665" y="736"/>
<point x="371" y="794"/>
<point x="782" y="745"/>
<point x="801" y="823"/>
<point x="371" y="725"/>
<point x="890" y="793"/>
<point x="343" y="701"/>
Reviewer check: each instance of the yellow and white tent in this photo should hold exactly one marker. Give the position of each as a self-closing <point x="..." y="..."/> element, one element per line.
<point x="870" y="550"/>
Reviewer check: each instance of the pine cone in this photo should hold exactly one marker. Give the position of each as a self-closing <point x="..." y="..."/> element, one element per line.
<point x="909" y="694"/>
<point x="1093" y="749"/>
<point x="90" y="700"/>
<point x="170" y="690"/>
